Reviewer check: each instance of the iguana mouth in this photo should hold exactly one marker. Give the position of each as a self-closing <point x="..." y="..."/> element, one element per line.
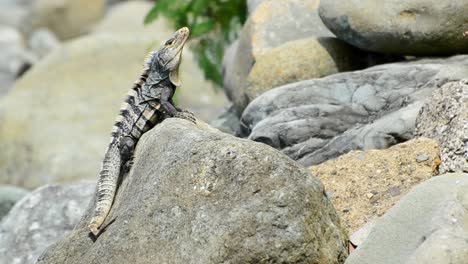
<point x="181" y="37"/>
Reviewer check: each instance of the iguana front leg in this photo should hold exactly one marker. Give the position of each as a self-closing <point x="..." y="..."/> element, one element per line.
<point x="169" y="108"/>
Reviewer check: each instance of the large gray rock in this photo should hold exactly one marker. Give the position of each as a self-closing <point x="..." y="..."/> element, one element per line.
<point x="429" y="225"/>
<point x="196" y="195"/>
<point x="9" y="195"/>
<point x="41" y="218"/>
<point x="270" y="24"/>
<point x="444" y="117"/>
<point x="315" y="120"/>
<point x="422" y="27"/>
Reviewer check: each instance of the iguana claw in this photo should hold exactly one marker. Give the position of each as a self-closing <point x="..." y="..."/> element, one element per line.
<point x="187" y="115"/>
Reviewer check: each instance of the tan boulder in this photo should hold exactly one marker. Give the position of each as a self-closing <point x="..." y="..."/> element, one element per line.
<point x="66" y="18"/>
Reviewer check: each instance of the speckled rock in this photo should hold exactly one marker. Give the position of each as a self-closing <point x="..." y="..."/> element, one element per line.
<point x="444" y="117"/>
<point x="305" y="59"/>
<point x="428" y="225"/>
<point x="196" y="195"/>
<point x="422" y="27"/>
<point x="41" y="218"/>
<point x="271" y="24"/>
<point x="316" y="120"/>
<point x="363" y="185"/>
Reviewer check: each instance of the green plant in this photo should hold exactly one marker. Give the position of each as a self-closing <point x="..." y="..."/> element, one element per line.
<point x="213" y="24"/>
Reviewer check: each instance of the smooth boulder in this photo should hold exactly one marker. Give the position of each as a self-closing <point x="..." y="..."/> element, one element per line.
<point x="41" y="218"/>
<point x="422" y="27"/>
<point x="316" y="120"/>
<point x="444" y="117"/>
<point x="196" y="195"/>
<point x="66" y="18"/>
<point x="428" y="225"/>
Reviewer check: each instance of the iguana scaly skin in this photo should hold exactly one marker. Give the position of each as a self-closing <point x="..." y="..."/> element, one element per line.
<point x="148" y="102"/>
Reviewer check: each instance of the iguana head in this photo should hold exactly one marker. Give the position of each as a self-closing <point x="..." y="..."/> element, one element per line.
<point x="167" y="59"/>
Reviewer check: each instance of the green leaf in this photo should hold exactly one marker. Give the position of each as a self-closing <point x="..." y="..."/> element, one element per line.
<point x="202" y="28"/>
<point x="152" y="14"/>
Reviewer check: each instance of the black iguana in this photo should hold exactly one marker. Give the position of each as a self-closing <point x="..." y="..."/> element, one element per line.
<point x="148" y="102"/>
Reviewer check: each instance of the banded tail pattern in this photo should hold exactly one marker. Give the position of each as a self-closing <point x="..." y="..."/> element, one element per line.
<point x="133" y="120"/>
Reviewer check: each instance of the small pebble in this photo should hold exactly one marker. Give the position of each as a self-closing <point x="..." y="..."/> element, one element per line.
<point x="375" y="199"/>
<point x="422" y="157"/>
<point x="394" y="191"/>
<point x="369" y="195"/>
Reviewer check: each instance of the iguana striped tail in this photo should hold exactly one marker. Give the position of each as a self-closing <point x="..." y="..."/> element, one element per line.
<point x="107" y="183"/>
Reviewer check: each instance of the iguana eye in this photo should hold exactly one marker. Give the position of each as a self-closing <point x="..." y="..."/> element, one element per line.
<point x="169" y="42"/>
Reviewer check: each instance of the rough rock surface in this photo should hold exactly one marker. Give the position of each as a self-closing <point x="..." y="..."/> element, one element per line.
<point x="9" y="195"/>
<point x="41" y="218"/>
<point x="305" y="59"/>
<point x="272" y="23"/>
<point x="428" y="225"/>
<point x="422" y="27"/>
<point x="444" y="117"/>
<point x="196" y="195"/>
<point x="316" y="120"/>
<point x="363" y="185"/>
